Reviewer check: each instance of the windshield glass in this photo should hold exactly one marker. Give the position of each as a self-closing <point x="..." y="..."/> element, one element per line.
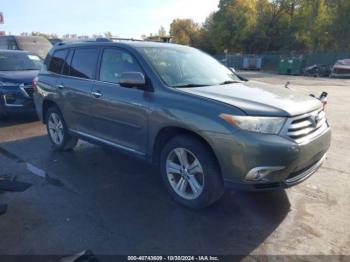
<point x="19" y="61"/>
<point x="187" y="67"/>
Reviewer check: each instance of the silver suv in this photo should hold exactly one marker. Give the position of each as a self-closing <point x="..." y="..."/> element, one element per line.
<point x="183" y="111"/>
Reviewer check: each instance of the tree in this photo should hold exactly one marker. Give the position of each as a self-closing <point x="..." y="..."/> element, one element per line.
<point x="313" y="19"/>
<point x="184" y="31"/>
<point x="47" y="36"/>
<point x="339" y="24"/>
<point x="269" y="25"/>
<point x="162" y="32"/>
<point x="108" y="34"/>
<point x="233" y="22"/>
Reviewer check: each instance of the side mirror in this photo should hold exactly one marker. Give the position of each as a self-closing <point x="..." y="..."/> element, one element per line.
<point x="233" y="70"/>
<point x="242" y="78"/>
<point x="132" y="79"/>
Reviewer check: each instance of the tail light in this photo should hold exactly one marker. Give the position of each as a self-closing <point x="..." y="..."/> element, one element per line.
<point x="35" y="83"/>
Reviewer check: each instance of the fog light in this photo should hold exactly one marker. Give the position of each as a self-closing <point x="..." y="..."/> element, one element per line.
<point x="10" y="99"/>
<point x="260" y="173"/>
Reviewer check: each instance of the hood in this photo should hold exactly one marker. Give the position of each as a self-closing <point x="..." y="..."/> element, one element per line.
<point x="259" y="99"/>
<point x="26" y="76"/>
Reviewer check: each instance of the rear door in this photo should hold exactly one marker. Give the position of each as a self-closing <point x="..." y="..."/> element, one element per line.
<point x="120" y="114"/>
<point x="76" y="85"/>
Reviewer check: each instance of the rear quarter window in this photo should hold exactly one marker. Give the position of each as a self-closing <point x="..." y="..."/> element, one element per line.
<point x="57" y="61"/>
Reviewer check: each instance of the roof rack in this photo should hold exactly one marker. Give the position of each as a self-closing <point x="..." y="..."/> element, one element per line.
<point x="125" y="39"/>
<point x="103" y="39"/>
<point x="100" y="39"/>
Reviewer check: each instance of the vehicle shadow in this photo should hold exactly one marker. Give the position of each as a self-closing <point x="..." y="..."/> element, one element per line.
<point x="16" y="119"/>
<point x="117" y="204"/>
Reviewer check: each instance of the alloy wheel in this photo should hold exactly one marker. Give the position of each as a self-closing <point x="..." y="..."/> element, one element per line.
<point x="55" y="127"/>
<point x="185" y="173"/>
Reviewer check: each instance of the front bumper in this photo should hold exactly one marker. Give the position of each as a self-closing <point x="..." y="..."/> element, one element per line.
<point x="241" y="152"/>
<point x="15" y="100"/>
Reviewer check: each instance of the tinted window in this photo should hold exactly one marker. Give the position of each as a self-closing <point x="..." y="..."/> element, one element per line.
<point x="8" y="43"/>
<point x="114" y="63"/>
<point x="3" y="43"/>
<point x="66" y="66"/>
<point x="84" y="62"/>
<point x="57" y="61"/>
<point x="12" y="45"/>
<point x="47" y="60"/>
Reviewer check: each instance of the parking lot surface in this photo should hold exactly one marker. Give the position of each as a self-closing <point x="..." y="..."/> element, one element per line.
<point x="98" y="199"/>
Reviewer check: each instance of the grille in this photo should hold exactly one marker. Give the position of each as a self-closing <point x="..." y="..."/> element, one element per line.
<point x="307" y="125"/>
<point x="28" y="90"/>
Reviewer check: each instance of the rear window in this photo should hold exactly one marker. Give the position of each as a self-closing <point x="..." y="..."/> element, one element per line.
<point x="84" y="62"/>
<point x="57" y="61"/>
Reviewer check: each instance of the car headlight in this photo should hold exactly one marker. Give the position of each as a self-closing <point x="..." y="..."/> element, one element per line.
<point x="260" y="124"/>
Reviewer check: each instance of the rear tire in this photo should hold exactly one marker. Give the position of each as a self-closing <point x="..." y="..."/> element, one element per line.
<point x="195" y="181"/>
<point x="57" y="131"/>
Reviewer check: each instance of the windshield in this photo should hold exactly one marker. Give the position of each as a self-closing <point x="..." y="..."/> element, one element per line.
<point x="19" y="61"/>
<point x="187" y="67"/>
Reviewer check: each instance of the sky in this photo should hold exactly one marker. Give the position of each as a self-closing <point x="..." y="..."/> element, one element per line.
<point x="124" y="18"/>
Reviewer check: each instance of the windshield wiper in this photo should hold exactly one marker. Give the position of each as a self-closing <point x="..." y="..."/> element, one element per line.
<point x="229" y="82"/>
<point x="189" y="85"/>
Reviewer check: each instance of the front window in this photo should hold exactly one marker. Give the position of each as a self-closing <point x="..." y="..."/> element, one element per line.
<point x="187" y="67"/>
<point x="114" y="63"/>
<point x="19" y="61"/>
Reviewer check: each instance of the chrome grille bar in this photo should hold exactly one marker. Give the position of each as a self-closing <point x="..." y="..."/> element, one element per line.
<point x="306" y="126"/>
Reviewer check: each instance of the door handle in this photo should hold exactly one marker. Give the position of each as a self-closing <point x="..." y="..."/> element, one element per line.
<point x="60" y="86"/>
<point x="96" y="94"/>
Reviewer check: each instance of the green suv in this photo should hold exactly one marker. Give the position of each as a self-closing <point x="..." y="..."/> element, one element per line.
<point x="183" y="111"/>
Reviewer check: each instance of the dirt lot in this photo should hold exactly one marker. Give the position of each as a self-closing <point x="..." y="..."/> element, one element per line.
<point x="97" y="199"/>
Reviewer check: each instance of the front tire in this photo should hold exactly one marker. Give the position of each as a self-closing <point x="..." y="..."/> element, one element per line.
<point x="190" y="172"/>
<point x="57" y="130"/>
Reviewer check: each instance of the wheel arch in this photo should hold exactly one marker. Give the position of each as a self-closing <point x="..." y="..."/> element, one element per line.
<point x="46" y="105"/>
<point x="167" y="133"/>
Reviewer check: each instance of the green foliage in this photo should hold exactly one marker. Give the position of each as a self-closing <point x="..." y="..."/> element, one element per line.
<point x="269" y="25"/>
<point x="184" y="31"/>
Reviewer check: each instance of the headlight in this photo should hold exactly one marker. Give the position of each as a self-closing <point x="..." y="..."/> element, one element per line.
<point x="260" y="124"/>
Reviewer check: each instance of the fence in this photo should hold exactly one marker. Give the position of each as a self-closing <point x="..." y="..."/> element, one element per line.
<point x="271" y="60"/>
